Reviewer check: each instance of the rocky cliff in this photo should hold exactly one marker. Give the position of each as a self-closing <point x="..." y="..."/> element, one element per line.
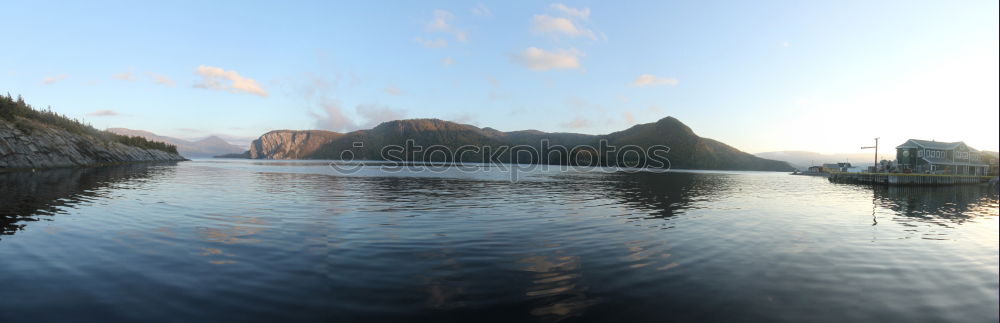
<point x="290" y="144"/>
<point x="30" y="144"/>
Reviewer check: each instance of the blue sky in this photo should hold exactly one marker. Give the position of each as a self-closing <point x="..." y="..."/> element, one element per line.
<point x="761" y="76"/>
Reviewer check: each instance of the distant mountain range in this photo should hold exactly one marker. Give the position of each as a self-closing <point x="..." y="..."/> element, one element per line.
<point x="687" y="150"/>
<point x="803" y="159"/>
<point x="207" y="147"/>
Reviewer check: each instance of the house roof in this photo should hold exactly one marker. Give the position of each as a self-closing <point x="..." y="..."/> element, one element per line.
<point x="929" y="144"/>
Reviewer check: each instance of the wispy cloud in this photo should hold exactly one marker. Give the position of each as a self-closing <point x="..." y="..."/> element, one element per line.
<point x="559" y="26"/>
<point x="497" y="95"/>
<point x="464" y="117"/>
<point x="126" y="76"/>
<point x="628" y="117"/>
<point x="577" y="123"/>
<point x="653" y="80"/>
<point x="482" y="10"/>
<point x="103" y="113"/>
<point x="392" y="90"/>
<point x="161" y="79"/>
<point x="375" y="114"/>
<point x="431" y="43"/>
<point x="447" y="61"/>
<point x="215" y="78"/>
<point x="582" y="14"/>
<point x="442" y="23"/>
<point x="333" y="117"/>
<point x="540" y="60"/>
<point x="53" y="79"/>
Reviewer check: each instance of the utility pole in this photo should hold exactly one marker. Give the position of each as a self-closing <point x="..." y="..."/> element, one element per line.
<point x="876" y="153"/>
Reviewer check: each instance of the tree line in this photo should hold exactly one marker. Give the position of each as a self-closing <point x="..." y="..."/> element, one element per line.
<point x="16" y="111"/>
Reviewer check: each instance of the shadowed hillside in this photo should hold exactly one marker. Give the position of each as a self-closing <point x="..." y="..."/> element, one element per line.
<point x="687" y="149"/>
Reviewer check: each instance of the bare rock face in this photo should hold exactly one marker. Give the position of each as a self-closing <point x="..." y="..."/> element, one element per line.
<point x="44" y="147"/>
<point x="290" y="144"/>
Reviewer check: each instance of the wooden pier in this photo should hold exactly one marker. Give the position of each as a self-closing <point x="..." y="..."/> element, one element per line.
<point x="906" y="179"/>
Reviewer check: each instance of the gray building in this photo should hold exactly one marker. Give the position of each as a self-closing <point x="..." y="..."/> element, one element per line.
<point x="928" y="156"/>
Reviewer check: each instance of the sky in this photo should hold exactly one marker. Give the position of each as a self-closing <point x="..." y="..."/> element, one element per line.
<point x="822" y="76"/>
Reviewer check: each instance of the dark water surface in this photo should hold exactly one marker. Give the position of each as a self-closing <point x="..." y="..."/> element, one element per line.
<point x="275" y="241"/>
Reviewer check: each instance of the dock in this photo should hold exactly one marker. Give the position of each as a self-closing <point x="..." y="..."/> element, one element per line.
<point x="907" y="179"/>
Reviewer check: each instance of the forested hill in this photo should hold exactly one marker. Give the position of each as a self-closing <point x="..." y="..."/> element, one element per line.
<point x="687" y="150"/>
<point x="36" y="138"/>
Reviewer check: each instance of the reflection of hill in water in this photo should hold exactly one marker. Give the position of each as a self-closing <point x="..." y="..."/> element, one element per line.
<point x="956" y="204"/>
<point x="31" y="196"/>
<point x="658" y="195"/>
<point x="664" y="195"/>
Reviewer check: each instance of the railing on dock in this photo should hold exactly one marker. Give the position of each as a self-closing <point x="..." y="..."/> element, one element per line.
<point x="906" y="179"/>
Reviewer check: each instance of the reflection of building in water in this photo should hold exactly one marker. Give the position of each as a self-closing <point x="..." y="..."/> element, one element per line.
<point x="956" y="204"/>
<point x="30" y="196"/>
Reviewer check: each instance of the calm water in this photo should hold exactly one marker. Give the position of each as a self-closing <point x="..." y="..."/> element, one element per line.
<point x="267" y="241"/>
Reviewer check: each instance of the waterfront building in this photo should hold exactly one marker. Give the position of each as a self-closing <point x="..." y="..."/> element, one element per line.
<point x="932" y="157"/>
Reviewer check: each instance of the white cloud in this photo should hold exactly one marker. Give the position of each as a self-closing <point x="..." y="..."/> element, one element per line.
<point x="482" y="10"/>
<point x="161" y="79"/>
<point x="447" y="61"/>
<point x="540" y="60"/>
<point x="786" y="44"/>
<point x="375" y="114"/>
<point x="103" y="113"/>
<point x="392" y="90"/>
<point x="582" y="14"/>
<point x="557" y="25"/>
<point x="215" y="78"/>
<point x="53" y="79"/>
<point x="432" y="43"/>
<point x="441" y="23"/>
<point x="652" y="80"/>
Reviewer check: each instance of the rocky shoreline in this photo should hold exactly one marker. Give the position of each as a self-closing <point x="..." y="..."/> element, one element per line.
<point x="44" y="146"/>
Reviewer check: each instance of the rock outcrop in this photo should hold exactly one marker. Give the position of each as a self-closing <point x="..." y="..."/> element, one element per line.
<point x="290" y="144"/>
<point x="44" y="146"/>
